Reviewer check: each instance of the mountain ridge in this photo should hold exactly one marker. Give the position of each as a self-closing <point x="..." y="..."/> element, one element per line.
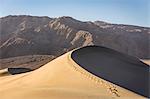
<point x="32" y="35"/>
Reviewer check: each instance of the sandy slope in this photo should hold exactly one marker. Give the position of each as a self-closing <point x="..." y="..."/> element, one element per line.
<point x="118" y="68"/>
<point x="147" y="61"/>
<point x="61" y="78"/>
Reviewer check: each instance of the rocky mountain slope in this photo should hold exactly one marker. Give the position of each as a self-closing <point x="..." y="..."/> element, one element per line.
<point x="30" y="61"/>
<point x="32" y="35"/>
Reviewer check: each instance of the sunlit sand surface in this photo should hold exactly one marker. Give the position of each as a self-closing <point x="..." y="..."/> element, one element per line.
<point x="61" y="78"/>
<point x="147" y="61"/>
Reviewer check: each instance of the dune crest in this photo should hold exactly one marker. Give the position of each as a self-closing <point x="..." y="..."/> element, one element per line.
<point x="61" y="78"/>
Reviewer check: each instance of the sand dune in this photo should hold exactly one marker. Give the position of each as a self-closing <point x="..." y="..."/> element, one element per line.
<point x="4" y="72"/>
<point x="119" y="68"/>
<point x="61" y="78"/>
<point x="147" y="61"/>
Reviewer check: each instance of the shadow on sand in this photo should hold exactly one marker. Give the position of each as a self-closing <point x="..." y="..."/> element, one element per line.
<point x="120" y="69"/>
<point x="15" y="71"/>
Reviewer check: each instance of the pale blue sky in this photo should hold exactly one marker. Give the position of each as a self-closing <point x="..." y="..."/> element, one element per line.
<point x="134" y="12"/>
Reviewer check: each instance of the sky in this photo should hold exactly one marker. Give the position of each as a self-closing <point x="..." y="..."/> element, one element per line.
<point x="133" y="12"/>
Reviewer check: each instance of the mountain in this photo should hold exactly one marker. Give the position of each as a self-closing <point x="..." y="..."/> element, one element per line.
<point x="29" y="61"/>
<point x="31" y="35"/>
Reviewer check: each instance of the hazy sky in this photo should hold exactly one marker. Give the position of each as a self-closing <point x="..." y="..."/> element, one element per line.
<point x="135" y="12"/>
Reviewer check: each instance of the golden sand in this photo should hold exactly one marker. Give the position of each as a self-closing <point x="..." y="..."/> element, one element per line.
<point x="61" y="78"/>
<point x="147" y="61"/>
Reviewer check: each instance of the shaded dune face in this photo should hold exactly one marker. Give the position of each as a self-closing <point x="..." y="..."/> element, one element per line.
<point x="15" y="71"/>
<point x="120" y="69"/>
<point x="62" y="78"/>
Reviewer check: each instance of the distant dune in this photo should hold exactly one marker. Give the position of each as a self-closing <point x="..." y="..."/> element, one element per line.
<point x="64" y="78"/>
